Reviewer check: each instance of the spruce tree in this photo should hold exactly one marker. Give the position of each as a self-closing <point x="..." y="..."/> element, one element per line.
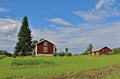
<point x="89" y="48"/>
<point x="66" y="50"/>
<point x="24" y="39"/>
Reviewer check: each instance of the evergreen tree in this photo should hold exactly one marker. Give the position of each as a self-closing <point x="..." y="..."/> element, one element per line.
<point x="55" y="50"/>
<point x="66" y="50"/>
<point x="89" y="48"/>
<point x="24" y="39"/>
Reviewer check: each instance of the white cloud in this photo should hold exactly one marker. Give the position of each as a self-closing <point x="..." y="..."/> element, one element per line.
<point x="106" y="4"/>
<point x="88" y="16"/>
<point x="60" y="21"/>
<point x="77" y="38"/>
<point x="8" y="33"/>
<point x="100" y="4"/>
<point x="102" y="10"/>
<point x="3" y="9"/>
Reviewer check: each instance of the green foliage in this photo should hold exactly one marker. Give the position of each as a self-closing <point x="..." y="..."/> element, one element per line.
<point x="42" y="39"/>
<point x="34" y="42"/>
<point x="4" y="52"/>
<point x="61" y="54"/>
<point x="55" y="50"/>
<point x="24" y="38"/>
<point x="89" y="48"/>
<point x="14" y="55"/>
<point x="55" y="54"/>
<point x="115" y="51"/>
<point x="85" y="53"/>
<point x="69" y="54"/>
<point x="66" y="50"/>
<point x="76" y="54"/>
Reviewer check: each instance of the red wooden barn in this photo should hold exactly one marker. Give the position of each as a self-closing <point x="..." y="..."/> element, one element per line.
<point x="45" y="47"/>
<point x="104" y="50"/>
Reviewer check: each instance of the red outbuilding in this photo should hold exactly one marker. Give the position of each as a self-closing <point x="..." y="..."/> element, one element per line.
<point x="45" y="47"/>
<point x="104" y="50"/>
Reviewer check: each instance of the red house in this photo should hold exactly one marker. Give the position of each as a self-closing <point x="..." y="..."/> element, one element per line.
<point x="45" y="47"/>
<point x="104" y="50"/>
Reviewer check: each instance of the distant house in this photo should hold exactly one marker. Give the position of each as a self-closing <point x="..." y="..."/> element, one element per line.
<point x="104" y="50"/>
<point x="45" y="47"/>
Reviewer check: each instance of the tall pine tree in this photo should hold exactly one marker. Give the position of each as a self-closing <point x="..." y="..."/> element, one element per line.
<point x="24" y="39"/>
<point x="89" y="48"/>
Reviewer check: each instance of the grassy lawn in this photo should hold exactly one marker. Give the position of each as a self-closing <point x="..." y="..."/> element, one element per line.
<point x="60" y="65"/>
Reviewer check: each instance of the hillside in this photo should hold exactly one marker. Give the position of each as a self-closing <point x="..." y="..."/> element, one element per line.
<point x="53" y="66"/>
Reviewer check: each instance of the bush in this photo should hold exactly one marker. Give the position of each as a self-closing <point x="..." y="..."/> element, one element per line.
<point x="85" y="53"/>
<point x="55" y="54"/>
<point x="76" y="54"/>
<point x="115" y="51"/>
<point x="62" y="54"/>
<point x="69" y="54"/>
<point x="4" y="52"/>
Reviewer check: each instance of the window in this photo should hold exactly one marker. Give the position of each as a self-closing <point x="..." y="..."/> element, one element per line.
<point x="45" y="43"/>
<point x="45" y="49"/>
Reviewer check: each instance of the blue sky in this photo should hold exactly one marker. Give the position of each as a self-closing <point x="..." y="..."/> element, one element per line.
<point x="37" y="11"/>
<point x="67" y="23"/>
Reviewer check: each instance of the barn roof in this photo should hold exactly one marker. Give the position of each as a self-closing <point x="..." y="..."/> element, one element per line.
<point x="104" y="48"/>
<point x="44" y="41"/>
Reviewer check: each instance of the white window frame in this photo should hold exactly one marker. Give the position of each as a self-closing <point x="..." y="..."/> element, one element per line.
<point x="45" y="49"/>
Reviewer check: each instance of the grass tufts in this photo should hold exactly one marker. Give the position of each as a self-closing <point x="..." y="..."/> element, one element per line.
<point x="23" y="63"/>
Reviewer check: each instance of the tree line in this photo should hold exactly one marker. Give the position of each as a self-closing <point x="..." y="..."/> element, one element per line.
<point x="4" y="52"/>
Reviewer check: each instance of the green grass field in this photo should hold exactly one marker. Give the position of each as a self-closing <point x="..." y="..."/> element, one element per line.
<point x="57" y="65"/>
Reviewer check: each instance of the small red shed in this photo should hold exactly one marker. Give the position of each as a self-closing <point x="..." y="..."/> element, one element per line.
<point x="45" y="47"/>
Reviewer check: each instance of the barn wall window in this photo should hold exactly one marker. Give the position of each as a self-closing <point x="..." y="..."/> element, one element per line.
<point x="45" y="49"/>
<point x="45" y="43"/>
